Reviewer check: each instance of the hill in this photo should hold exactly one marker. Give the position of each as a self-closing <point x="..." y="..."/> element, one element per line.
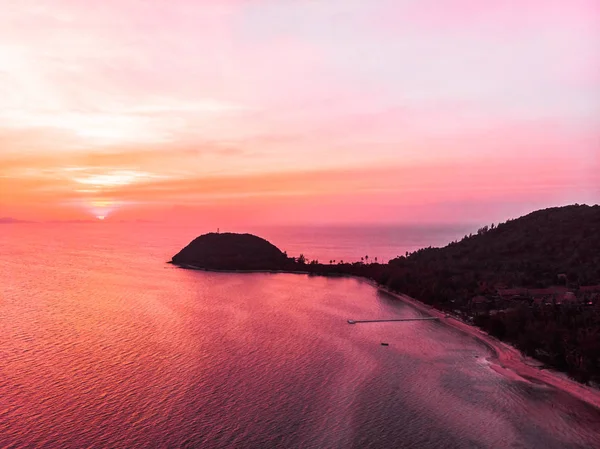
<point x="229" y="251"/>
<point x="550" y="257"/>
<point x="532" y="251"/>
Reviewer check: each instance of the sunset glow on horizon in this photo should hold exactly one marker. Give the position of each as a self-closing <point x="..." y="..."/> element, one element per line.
<point x="281" y="111"/>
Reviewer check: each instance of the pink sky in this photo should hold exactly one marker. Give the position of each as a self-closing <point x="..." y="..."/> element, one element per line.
<point x="292" y="111"/>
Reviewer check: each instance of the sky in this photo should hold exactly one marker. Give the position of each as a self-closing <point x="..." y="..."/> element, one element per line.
<point x="298" y="111"/>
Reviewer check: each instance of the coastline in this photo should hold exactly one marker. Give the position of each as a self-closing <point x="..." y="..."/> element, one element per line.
<point x="310" y="273"/>
<point x="506" y="360"/>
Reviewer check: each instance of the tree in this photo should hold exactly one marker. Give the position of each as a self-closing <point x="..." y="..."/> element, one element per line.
<point x="301" y="259"/>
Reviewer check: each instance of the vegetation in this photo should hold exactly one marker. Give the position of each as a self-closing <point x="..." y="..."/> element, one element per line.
<point x="228" y="251"/>
<point x="531" y="251"/>
<point x="566" y="338"/>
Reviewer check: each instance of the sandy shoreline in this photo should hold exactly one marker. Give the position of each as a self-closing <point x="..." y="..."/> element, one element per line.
<point x="506" y="360"/>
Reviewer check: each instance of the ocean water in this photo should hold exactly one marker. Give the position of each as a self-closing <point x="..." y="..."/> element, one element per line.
<point x="350" y="243"/>
<point x="102" y="344"/>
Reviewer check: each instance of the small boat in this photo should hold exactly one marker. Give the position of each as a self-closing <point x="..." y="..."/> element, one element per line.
<point x="384" y="344"/>
<point x="351" y="322"/>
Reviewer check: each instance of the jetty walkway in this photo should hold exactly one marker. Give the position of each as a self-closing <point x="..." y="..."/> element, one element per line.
<point x="431" y="318"/>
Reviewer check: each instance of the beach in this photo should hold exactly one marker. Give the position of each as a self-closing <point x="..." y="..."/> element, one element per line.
<point x="506" y="359"/>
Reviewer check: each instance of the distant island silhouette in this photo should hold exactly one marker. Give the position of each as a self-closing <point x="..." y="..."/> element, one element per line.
<point x="229" y="251"/>
<point x="533" y="281"/>
<point x="8" y="220"/>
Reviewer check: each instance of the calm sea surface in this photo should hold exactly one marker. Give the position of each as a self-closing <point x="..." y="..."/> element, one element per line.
<point x="104" y="345"/>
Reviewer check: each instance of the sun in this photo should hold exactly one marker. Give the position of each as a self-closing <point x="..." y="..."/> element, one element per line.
<point x="101" y="208"/>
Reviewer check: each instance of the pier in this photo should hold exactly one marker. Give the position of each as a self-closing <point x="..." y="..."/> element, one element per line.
<point x="431" y="318"/>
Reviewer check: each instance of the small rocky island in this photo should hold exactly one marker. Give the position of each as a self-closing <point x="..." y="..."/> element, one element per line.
<point x="230" y="251"/>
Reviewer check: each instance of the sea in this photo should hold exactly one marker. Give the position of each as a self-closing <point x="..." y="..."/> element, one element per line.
<point x="105" y="345"/>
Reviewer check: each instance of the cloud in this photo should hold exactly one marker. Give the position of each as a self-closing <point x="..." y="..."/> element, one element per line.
<point x="198" y="101"/>
<point x="475" y="179"/>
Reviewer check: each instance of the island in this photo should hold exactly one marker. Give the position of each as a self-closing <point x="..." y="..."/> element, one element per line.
<point x="231" y="252"/>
